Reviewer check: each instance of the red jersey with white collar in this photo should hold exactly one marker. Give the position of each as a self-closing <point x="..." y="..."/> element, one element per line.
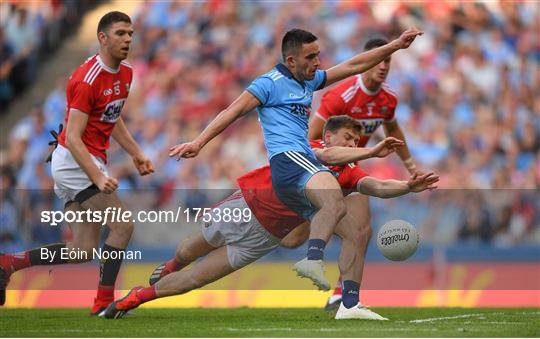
<point x="99" y="91"/>
<point x="273" y="215"/>
<point x="352" y="98"/>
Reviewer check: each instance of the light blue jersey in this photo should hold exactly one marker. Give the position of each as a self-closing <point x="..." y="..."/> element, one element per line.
<point x="284" y="110"/>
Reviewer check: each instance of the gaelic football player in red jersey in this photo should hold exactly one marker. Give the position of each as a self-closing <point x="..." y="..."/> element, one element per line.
<point x="229" y="246"/>
<point x="368" y="99"/>
<point x="95" y="94"/>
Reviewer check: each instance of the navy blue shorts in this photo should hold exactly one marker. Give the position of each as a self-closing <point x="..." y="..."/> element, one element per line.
<point x="291" y="171"/>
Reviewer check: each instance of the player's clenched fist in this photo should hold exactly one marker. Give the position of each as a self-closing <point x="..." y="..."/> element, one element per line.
<point x="107" y="184"/>
<point x="186" y="150"/>
<point x="143" y="164"/>
<point x="407" y="37"/>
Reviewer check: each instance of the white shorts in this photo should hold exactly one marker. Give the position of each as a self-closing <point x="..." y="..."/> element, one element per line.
<point x="246" y="241"/>
<point x="69" y="178"/>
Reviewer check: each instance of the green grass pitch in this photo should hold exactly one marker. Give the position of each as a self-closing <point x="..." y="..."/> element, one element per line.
<point x="244" y="322"/>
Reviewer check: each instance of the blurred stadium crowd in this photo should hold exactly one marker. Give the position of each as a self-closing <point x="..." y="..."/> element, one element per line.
<point x="31" y="31"/>
<point x="469" y="103"/>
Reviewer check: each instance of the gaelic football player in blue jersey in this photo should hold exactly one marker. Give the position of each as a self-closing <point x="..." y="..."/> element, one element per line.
<point x="283" y="98"/>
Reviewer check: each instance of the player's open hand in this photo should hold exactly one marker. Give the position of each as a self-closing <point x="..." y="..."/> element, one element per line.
<point x="386" y="147"/>
<point x="419" y="183"/>
<point x="143" y="165"/>
<point x="407" y="37"/>
<point x="107" y="184"/>
<point x="185" y="150"/>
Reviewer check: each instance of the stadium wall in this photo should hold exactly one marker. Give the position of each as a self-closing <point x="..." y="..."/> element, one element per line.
<point x="462" y="284"/>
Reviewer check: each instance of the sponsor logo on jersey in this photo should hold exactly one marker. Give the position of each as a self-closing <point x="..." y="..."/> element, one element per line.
<point x="112" y="111"/>
<point x="370" y="125"/>
<point x="297" y="109"/>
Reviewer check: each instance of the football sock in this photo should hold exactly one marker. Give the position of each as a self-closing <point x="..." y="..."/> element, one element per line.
<point x="14" y="262"/>
<point x="105" y="292"/>
<point x="46" y="255"/>
<point x="315" y="249"/>
<point x="174" y="265"/>
<point x="146" y="294"/>
<point x="351" y="294"/>
<point x="109" y="268"/>
<point x="337" y="290"/>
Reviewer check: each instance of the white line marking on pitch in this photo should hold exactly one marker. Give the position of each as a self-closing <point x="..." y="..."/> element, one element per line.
<point x="479" y="315"/>
<point x="282" y="329"/>
<point x="427" y="320"/>
<point x="289" y="329"/>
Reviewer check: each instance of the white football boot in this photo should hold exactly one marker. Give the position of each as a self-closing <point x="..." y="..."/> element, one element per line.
<point x="357" y="312"/>
<point x="313" y="270"/>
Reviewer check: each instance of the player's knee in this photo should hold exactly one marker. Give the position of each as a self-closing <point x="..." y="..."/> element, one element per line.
<point x="335" y="208"/>
<point x="353" y="235"/>
<point x="339" y="209"/>
<point x="184" y="252"/>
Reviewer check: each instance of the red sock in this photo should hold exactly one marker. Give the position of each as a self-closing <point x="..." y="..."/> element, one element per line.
<point x="173" y="265"/>
<point x="16" y="261"/>
<point x="337" y="290"/>
<point x="146" y="294"/>
<point x="105" y="292"/>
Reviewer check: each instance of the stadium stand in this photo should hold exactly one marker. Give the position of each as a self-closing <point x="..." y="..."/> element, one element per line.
<point x="30" y="32"/>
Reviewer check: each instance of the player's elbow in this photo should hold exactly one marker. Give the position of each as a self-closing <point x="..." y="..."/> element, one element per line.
<point x="72" y="139"/>
<point x="324" y="157"/>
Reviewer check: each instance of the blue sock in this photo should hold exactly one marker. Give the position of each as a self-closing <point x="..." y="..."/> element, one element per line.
<point x="350" y="293"/>
<point x="315" y="249"/>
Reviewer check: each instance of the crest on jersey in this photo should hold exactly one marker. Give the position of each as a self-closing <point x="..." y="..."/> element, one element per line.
<point x="384" y="109"/>
<point x="112" y="111"/>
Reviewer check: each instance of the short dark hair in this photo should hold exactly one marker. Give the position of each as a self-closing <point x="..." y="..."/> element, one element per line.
<point x="294" y="39"/>
<point x="110" y="18"/>
<point x="374" y="43"/>
<point x="338" y="122"/>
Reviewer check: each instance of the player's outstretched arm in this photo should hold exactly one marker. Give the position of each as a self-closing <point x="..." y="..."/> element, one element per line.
<point x="391" y="188"/>
<point x="122" y="135"/>
<point x="392" y="129"/>
<point x="75" y="127"/>
<point x="364" y="61"/>
<point x="245" y="103"/>
<point x="345" y="155"/>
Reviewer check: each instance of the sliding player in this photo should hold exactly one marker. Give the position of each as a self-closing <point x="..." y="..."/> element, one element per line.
<point x="229" y="246"/>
